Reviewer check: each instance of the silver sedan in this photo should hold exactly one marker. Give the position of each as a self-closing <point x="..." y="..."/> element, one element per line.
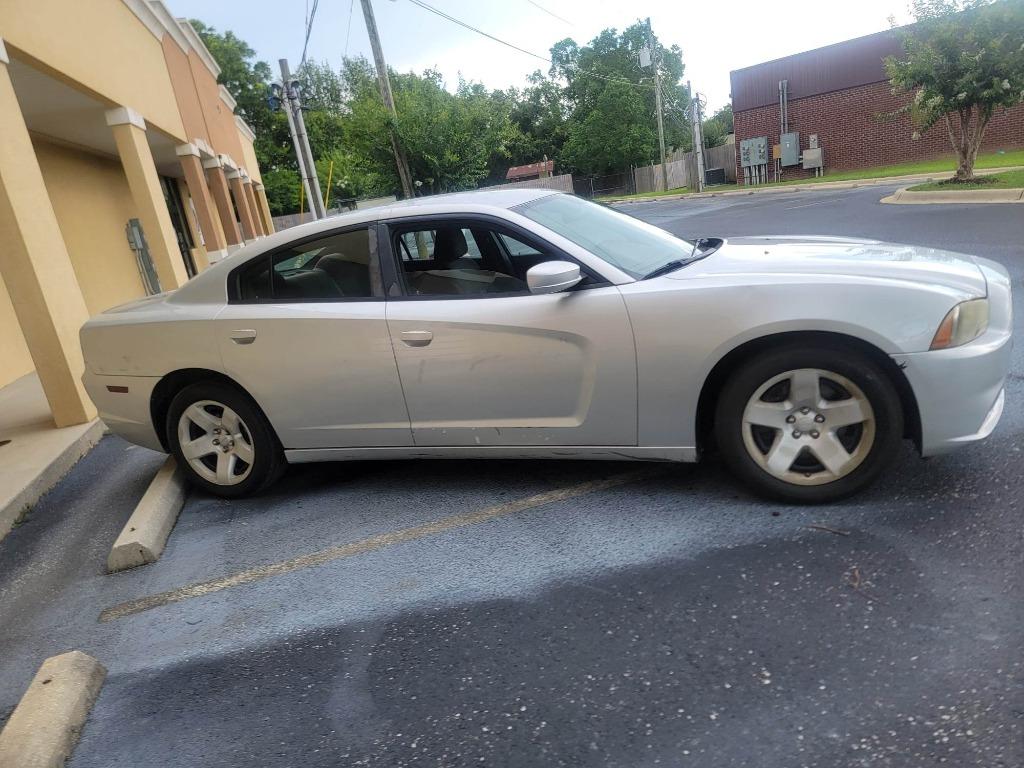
<point x="533" y="324"/>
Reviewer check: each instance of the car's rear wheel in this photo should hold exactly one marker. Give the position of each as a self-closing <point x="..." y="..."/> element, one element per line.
<point x="808" y="424"/>
<point x="222" y="441"/>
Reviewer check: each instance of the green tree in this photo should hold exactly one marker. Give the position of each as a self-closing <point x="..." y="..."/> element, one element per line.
<point x="618" y="131"/>
<point x="717" y="127"/>
<point x="611" y="98"/>
<point x="281" y="186"/>
<point x="963" y="59"/>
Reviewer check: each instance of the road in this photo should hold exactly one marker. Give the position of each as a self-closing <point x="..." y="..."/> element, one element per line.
<point x="565" y="614"/>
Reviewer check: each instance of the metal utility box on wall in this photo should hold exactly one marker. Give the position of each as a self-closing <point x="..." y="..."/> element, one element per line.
<point x="754" y="151"/>
<point x="814" y="158"/>
<point x="790" y="148"/>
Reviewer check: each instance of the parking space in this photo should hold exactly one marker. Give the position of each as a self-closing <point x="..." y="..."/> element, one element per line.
<point x="554" y="613"/>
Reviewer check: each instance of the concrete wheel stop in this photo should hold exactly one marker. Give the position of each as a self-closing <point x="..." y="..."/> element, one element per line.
<point x="144" y="536"/>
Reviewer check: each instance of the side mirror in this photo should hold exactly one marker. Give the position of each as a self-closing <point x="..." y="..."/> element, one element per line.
<point x="553" y="276"/>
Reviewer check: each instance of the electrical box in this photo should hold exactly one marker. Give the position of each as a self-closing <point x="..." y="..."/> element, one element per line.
<point x="814" y="158"/>
<point x="790" y="149"/>
<point x="754" y="151"/>
<point x="745" y="153"/>
<point x="813" y="139"/>
<point x="776" y="151"/>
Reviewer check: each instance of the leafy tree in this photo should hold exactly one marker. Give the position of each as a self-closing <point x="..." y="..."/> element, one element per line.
<point x="724" y="118"/>
<point x="281" y="186"/>
<point x="717" y="127"/>
<point x="962" y="60"/>
<point x="540" y="119"/>
<point x="616" y="133"/>
<point x="612" y="101"/>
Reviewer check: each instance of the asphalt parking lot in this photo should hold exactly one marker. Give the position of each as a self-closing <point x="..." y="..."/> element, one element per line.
<point x="555" y="613"/>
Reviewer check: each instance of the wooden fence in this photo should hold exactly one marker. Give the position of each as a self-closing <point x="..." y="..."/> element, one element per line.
<point x="562" y="183"/>
<point x="682" y="169"/>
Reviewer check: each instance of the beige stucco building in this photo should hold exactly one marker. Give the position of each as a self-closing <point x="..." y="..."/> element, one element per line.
<point x="111" y="122"/>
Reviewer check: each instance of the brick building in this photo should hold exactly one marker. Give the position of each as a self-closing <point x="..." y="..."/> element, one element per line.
<point x="839" y="93"/>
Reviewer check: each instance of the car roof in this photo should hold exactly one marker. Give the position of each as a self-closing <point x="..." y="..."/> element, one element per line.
<point x="209" y="284"/>
<point x="497" y="198"/>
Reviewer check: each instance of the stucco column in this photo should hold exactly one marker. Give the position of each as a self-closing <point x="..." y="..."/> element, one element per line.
<point x="261" y="199"/>
<point x="130" y="136"/>
<point x="222" y="200"/>
<point x="242" y="204"/>
<point x="250" y="199"/>
<point x="36" y="267"/>
<point x="195" y="179"/>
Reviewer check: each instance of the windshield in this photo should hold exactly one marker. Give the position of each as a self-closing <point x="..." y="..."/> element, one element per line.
<point x="631" y="245"/>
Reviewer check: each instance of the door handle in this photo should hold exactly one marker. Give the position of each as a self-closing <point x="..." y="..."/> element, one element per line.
<point x="243" y="336"/>
<point x="416" y="338"/>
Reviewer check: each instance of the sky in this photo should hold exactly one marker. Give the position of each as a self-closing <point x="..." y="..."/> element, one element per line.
<point x="715" y="37"/>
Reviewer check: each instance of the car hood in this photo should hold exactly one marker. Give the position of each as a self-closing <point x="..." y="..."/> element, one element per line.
<point x="819" y="255"/>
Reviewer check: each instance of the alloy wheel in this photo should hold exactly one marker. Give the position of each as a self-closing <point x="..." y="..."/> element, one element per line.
<point x="808" y="426"/>
<point x="216" y="442"/>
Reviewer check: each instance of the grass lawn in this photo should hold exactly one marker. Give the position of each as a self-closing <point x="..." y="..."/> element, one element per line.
<point x="1007" y="180"/>
<point x="644" y="195"/>
<point x="945" y="164"/>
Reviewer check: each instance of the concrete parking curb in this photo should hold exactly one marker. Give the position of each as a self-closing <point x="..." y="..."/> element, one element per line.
<point x="144" y="536"/>
<point x="906" y="197"/>
<point x="44" y="727"/>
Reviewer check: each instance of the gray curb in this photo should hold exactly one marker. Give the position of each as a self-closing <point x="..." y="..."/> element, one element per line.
<point x="25" y="499"/>
<point x="145" y="534"/>
<point x="972" y="196"/>
<point x="44" y="727"/>
<point x="917" y="178"/>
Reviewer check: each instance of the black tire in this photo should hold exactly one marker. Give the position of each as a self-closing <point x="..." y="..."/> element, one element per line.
<point x="857" y="368"/>
<point x="268" y="462"/>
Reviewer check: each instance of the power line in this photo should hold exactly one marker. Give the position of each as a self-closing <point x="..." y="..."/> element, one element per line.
<point x="452" y="19"/>
<point x="348" y="29"/>
<point x="309" y="31"/>
<point x="470" y="27"/>
<point x="550" y="13"/>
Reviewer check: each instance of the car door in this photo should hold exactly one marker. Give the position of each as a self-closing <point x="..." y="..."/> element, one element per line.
<point x="305" y="333"/>
<point x="483" y="361"/>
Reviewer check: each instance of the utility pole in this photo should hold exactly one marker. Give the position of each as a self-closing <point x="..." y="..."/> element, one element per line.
<point x="655" y="60"/>
<point x="384" y="82"/>
<point x="698" y="135"/>
<point x="303" y="153"/>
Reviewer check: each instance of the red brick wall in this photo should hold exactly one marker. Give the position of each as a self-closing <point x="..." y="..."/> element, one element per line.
<point x="853" y="136"/>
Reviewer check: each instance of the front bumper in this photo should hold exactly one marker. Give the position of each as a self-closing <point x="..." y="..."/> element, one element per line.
<point x="960" y="392"/>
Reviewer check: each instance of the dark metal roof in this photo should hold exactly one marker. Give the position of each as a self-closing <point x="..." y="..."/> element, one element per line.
<point x="832" y="68"/>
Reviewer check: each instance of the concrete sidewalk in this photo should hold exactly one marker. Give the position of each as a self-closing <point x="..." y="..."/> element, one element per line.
<point x="34" y="454"/>
<point x="916" y="178"/>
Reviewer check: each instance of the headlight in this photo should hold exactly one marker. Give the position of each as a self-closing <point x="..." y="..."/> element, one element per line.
<point x="965" y="322"/>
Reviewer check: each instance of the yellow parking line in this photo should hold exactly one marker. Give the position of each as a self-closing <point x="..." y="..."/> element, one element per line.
<point x="368" y="545"/>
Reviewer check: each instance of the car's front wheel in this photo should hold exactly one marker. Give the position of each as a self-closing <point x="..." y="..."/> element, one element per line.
<point x="808" y="424"/>
<point x="222" y="441"/>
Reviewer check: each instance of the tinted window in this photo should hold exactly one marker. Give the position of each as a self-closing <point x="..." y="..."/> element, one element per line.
<point x="340" y="266"/>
